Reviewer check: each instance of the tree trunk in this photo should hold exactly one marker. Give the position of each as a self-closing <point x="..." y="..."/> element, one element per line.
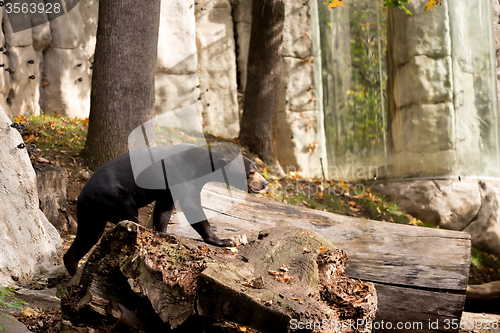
<point x="391" y="75"/>
<point x="258" y="122"/>
<point x="122" y="96"/>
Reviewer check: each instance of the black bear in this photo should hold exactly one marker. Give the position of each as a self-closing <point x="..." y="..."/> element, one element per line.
<point x="115" y="192"/>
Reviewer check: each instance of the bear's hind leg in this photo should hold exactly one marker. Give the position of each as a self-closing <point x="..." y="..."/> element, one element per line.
<point x="88" y="233"/>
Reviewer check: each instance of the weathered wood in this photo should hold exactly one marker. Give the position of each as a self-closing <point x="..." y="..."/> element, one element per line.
<point x="319" y="291"/>
<point x="431" y="265"/>
<point x="483" y="292"/>
<point x="285" y="274"/>
<point x="51" y="187"/>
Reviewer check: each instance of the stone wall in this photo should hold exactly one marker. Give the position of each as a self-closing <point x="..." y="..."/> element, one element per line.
<point x="444" y="102"/>
<point x="67" y="61"/>
<point x="201" y="48"/>
<point x="445" y="116"/>
<point x="176" y="79"/>
<point x="423" y="129"/>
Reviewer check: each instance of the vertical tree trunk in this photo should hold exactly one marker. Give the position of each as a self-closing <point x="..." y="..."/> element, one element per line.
<point x="122" y="96"/>
<point x="391" y="75"/>
<point x="258" y="122"/>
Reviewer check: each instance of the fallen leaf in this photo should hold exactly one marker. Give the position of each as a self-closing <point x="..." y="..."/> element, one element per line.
<point x="336" y="3"/>
<point x="28" y="312"/>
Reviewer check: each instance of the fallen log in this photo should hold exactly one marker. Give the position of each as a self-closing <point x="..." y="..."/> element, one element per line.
<point x="483" y="292"/>
<point x="287" y="278"/>
<point x="420" y="273"/>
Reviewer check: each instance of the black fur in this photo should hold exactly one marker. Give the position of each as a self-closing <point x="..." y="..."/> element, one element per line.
<point x="112" y="195"/>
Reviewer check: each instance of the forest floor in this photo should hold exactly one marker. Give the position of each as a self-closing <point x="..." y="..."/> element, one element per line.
<point x="60" y="141"/>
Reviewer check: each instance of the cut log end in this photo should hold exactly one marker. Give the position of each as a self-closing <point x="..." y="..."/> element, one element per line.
<point x="136" y="277"/>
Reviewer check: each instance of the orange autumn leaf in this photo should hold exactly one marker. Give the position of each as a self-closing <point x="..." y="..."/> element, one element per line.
<point x="336" y="3"/>
<point x="432" y="4"/>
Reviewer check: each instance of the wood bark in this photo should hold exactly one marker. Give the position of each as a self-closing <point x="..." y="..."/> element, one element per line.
<point x="122" y="96"/>
<point x="391" y="75"/>
<point x="137" y="278"/>
<point x="51" y="187"/>
<point x="258" y="121"/>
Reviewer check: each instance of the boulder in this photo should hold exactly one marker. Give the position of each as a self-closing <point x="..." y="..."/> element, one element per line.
<point x="468" y="205"/>
<point x="30" y="243"/>
<point x="41" y="37"/>
<point x="297" y="85"/>
<point x="4" y="76"/>
<point x="485" y="227"/>
<point x="18" y="38"/>
<point x="11" y="324"/>
<point x="176" y="78"/>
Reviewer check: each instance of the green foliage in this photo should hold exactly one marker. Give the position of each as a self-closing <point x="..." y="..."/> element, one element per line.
<point x="397" y="4"/>
<point x="352" y="70"/>
<point x="55" y="132"/>
<point x="484" y="266"/>
<point x="8" y="301"/>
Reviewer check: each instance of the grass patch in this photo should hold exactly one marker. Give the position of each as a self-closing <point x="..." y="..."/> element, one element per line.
<point x="484" y="267"/>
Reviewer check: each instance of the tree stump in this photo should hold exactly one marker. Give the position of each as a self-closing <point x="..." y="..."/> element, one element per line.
<point x="287" y="279"/>
<point x="51" y="185"/>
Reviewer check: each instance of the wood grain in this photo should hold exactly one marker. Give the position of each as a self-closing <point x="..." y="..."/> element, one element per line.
<point x="407" y="263"/>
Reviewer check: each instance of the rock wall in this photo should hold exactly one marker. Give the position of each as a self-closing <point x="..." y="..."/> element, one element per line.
<point x="176" y="79"/>
<point x="217" y="67"/>
<point x="297" y="134"/>
<point x="66" y="72"/>
<point x="422" y="49"/>
<point x="201" y="49"/>
<point x="444" y="96"/>
<point x="30" y="244"/>
<point x="445" y="118"/>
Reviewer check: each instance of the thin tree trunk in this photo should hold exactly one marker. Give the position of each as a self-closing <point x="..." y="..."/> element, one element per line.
<point x="258" y="122"/>
<point x="391" y="74"/>
<point x="123" y="95"/>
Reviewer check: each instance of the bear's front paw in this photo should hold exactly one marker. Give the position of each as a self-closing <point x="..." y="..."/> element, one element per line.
<point x="220" y="242"/>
